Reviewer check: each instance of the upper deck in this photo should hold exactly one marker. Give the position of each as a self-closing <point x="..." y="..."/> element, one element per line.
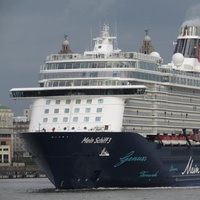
<point x="113" y="56"/>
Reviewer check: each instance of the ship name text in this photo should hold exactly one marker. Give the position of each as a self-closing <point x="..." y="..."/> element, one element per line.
<point x="190" y="168"/>
<point x="101" y="140"/>
<point x="130" y="158"/>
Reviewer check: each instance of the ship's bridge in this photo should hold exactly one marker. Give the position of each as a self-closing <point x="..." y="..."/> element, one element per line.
<point x="103" y="44"/>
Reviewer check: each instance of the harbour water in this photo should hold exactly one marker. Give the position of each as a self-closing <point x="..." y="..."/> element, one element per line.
<point x="42" y="189"/>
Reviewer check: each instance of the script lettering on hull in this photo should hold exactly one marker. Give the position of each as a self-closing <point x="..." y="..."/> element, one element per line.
<point x="191" y="168"/>
<point x="144" y="174"/>
<point x="130" y="158"/>
<point x="173" y="169"/>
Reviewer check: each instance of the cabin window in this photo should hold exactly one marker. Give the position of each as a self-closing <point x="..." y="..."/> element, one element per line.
<point x="66" y="110"/>
<point x="88" y="110"/>
<point x="65" y="119"/>
<point x="76" y="110"/>
<point x="55" y="119"/>
<point x="68" y="101"/>
<point x="89" y="101"/>
<point x="99" y="110"/>
<point x="100" y="100"/>
<point x="56" y="110"/>
<point x="75" y="119"/>
<point x="97" y="119"/>
<point x="78" y="101"/>
<point x="46" y="111"/>
<point x="86" y="119"/>
<point x="57" y="101"/>
<point x="48" y="102"/>
<point x="45" y="120"/>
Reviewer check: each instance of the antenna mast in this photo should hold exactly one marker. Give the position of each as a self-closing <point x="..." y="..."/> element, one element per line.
<point x="115" y="41"/>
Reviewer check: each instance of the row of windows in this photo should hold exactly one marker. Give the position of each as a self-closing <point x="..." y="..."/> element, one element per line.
<point x="4" y="149"/>
<point x="68" y="101"/>
<point x="76" y="110"/>
<point x="5" y="135"/>
<point x="75" y="119"/>
<point x="80" y="92"/>
<point x="83" y="82"/>
<point x="99" y="74"/>
<point x="102" y="64"/>
<point x="77" y="65"/>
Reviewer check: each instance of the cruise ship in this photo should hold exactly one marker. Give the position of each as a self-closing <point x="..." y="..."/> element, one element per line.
<point x="113" y="119"/>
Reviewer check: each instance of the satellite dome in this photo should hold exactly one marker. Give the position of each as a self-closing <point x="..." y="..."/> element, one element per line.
<point x="65" y="42"/>
<point x="155" y="54"/>
<point x="178" y="59"/>
<point x="147" y="38"/>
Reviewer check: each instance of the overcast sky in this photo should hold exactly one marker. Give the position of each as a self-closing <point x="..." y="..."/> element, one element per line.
<point x="32" y="29"/>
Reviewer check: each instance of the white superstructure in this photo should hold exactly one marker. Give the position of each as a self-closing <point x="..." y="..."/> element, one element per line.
<point x="171" y="101"/>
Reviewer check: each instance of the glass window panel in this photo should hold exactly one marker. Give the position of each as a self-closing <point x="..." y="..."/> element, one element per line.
<point x="56" y="110"/>
<point x="46" y="111"/>
<point x="66" y="110"/>
<point x="89" y="101"/>
<point x="45" y="120"/>
<point x="62" y="83"/>
<point x="48" y="102"/>
<point x="101" y="65"/>
<point x="68" y="101"/>
<point x="65" y="119"/>
<point x="93" y="74"/>
<point x="88" y="110"/>
<point x="55" y="119"/>
<point x="85" y="65"/>
<point x="75" y="119"/>
<point x="76" y="65"/>
<point x="57" y="101"/>
<point x="68" y="66"/>
<point x="94" y="65"/>
<point x="5" y="157"/>
<point x="55" y="83"/>
<point x="86" y="119"/>
<point x="76" y="110"/>
<point x="100" y="100"/>
<point x="99" y="110"/>
<point x="108" y="64"/>
<point x="78" y="101"/>
<point x="97" y="119"/>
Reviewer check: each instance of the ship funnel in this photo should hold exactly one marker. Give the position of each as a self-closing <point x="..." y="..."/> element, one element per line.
<point x="188" y="31"/>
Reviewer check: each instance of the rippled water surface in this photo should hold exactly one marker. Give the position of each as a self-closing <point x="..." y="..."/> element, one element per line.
<point x="42" y="189"/>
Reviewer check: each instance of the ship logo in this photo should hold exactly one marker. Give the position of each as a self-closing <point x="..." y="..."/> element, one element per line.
<point x="104" y="152"/>
<point x="191" y="168"/>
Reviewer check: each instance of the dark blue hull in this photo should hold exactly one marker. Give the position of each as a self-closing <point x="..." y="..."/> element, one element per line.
<point x="74" y="160"/>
